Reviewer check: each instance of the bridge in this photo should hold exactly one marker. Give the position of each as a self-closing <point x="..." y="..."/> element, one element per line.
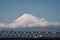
<point x="28" y="34"/>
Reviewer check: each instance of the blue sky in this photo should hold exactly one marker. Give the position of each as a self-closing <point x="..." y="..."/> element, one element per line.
<point x="12" y="9"/>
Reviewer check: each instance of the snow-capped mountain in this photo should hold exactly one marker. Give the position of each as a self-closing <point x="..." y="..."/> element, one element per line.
<point x="28" y="20"/>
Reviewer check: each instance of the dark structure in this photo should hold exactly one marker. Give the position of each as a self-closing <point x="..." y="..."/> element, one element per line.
<point x="28" y="34"/>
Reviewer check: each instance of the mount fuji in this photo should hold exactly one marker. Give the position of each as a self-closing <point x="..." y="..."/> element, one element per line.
<point x="28" y="22"/>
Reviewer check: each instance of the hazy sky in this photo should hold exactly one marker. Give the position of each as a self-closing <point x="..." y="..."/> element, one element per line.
<point x="12" y="9"/>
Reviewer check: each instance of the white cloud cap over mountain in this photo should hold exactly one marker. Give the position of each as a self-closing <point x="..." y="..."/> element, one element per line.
<point x="28" y="20"/>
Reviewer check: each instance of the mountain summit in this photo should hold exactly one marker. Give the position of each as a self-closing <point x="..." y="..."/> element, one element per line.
<point x="26" y="17"/>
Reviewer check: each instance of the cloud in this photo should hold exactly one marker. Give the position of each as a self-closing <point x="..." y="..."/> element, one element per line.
<point x="28" y="20"/>
<point x="3" y="25"/>
<point x="54" y="23"/>
<point x="43" y="22"/>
